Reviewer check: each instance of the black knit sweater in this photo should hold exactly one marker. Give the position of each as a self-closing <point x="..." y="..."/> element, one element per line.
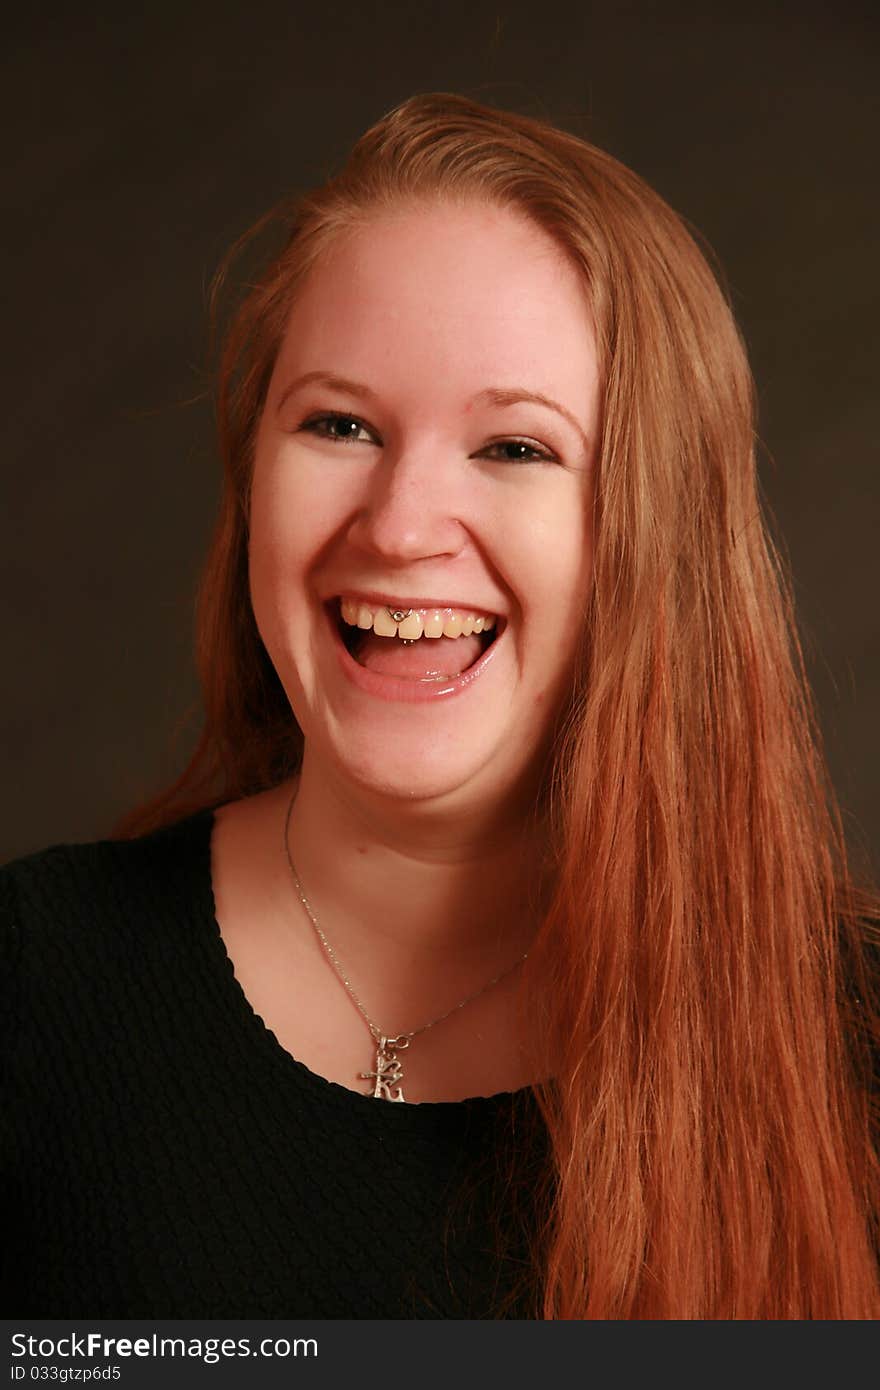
<point x="163" y="1156"/>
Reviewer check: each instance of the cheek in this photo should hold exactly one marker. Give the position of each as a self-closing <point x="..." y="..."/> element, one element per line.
<point x="554" y="572"/>
<point x="552" y="558"/>
<point x="291" y="518"/>
<point x="273" y="565"/>
<point x="276" y="560"/>
<point x="296" y="514"/>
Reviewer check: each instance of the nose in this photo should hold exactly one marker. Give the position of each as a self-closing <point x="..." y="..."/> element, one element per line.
<point x="411" y="508"/>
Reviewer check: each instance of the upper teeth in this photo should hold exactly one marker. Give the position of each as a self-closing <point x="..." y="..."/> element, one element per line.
<point x="411" y="623"/>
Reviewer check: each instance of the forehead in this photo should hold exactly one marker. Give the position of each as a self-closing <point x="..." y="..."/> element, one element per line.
<point x="466" y="295"/>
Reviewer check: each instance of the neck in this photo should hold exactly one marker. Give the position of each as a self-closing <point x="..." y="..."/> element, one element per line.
<point x="418" y="881"/>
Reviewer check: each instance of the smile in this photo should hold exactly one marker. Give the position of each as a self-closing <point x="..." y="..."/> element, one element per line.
<point x="409" y="652"/>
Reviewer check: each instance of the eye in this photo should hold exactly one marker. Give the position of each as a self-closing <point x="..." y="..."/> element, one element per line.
<point x="517" y="451"/>
<point x="342" y="429"/>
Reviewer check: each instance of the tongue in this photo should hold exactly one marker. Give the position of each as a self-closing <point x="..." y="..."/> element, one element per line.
<point x="428" y="657"/>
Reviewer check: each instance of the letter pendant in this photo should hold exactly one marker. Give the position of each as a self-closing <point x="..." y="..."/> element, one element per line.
<point x="389" y="1070"/>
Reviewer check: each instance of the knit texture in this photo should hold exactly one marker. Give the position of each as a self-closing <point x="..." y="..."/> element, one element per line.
<point x="162" y="1154"/>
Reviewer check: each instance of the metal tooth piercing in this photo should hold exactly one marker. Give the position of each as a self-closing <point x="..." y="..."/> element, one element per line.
<point x="397" y="616"/>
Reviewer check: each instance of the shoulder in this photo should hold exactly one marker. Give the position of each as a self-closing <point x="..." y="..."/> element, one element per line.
<point x="66" y="905"/>
<point x="71" y="880"/>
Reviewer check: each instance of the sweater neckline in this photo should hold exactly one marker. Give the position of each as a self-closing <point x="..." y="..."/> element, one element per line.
<point x="202" y="824"/>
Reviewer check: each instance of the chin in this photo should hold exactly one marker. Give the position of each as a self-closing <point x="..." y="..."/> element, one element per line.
<point x="417" y="775"/>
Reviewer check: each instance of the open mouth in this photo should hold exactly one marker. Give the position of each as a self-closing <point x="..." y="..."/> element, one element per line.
<point x="424" y="644"/>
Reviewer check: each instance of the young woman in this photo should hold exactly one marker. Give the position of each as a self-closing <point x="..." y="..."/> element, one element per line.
<point x="497" y="954"/>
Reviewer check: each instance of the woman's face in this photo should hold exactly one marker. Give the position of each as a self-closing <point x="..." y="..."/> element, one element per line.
<point x="427" y="444"/>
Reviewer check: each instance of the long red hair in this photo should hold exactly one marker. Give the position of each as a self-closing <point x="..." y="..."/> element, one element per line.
<point x="712" y="1018"/>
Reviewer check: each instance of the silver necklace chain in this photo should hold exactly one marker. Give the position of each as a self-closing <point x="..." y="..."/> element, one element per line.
<point x="388" y="1068"/>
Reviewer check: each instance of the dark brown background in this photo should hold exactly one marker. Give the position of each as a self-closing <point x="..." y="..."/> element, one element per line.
<point x="139" y="147"/>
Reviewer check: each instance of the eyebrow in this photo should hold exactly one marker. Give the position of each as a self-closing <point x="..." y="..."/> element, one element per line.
<point x="329" y="379"/>
<point x="493" y="395"/>
<point x="514" y="395"/>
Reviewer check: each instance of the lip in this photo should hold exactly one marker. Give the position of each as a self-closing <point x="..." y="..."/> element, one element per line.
<point x="395" y="689"/>
<point x="418" y="605"/>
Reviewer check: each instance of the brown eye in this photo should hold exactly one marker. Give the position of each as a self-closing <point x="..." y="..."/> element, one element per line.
<point x="517" y="451"/>
<point x="343" y="429"/>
